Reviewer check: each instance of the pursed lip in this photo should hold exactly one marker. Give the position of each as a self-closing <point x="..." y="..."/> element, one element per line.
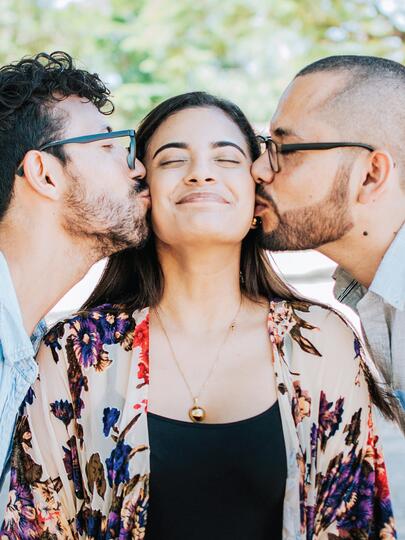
<point x="260" y="205"/>
<point x="202" y="196"/>
<point x="260" y="201"/>
<point x="145" y="195"/>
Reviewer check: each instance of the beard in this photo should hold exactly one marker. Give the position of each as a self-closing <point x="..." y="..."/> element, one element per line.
<point x="312" y="226"/>
<point x="108" y="225"/>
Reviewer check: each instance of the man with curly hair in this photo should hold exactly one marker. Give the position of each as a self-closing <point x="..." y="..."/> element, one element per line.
<point x="70" y="194"/>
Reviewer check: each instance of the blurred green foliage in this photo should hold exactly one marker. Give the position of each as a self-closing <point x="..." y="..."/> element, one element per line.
<point x="246" y="50"/>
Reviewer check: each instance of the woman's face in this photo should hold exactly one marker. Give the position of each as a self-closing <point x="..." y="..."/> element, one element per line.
<point x="198" y="170"/>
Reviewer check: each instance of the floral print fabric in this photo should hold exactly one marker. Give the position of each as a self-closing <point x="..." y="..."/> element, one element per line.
<point x="80" y="464"/>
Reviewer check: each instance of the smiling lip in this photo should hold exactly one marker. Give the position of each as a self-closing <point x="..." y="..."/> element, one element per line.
<point x="202" y="197"/>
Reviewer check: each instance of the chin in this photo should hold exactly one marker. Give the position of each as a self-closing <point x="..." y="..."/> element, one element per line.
<point x="211" y="236"/>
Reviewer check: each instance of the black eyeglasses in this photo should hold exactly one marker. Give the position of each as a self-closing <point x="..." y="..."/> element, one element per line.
<point x="274" y="149"/>
<point x="96" y="137"/>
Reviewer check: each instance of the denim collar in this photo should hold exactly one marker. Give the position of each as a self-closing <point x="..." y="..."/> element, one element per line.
<point x="15" y="342"/>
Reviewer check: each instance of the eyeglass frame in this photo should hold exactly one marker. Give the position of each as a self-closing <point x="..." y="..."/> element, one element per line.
<point x="92" y="138"/>
<point x="296" y="147"/>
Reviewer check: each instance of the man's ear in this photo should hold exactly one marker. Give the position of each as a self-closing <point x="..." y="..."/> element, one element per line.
<point x="378" y="173"/>
<point x="40" y="173"/>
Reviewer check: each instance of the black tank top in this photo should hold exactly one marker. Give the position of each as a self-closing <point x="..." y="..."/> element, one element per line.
<point x="217" y="481"/>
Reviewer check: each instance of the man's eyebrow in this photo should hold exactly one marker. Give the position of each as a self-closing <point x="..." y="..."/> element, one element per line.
<point x="182" y="145"/>
<point x="222" y="144"/>
<point x="285" y="132"/>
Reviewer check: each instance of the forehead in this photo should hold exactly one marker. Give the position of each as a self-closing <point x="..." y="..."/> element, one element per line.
<point x="81" y="116"/>
<point x="198" y="125"/>
<point x="301" y="107"/>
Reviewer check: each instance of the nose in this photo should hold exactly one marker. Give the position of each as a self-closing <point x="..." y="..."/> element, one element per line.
<point x="199" y="173"/>
<point x="261" y="171"/>
<point x="139" y="172"/>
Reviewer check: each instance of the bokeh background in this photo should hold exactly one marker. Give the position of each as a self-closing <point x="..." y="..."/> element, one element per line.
<point x="245" y="50"/>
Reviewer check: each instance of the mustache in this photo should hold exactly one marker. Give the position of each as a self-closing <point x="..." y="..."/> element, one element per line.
<point x="140" y="185"/>
<point x="261" y="192"/>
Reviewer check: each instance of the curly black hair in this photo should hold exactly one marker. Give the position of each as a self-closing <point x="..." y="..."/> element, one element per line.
<point x="28" y="89"/>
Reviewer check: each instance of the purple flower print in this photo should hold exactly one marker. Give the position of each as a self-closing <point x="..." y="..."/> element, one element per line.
<point x="72" y="466"/>
<point x="110" y="417"/>
<point x="117" y="464"/>
<point x="63" y="410"/>
<point x="87" y="344"/>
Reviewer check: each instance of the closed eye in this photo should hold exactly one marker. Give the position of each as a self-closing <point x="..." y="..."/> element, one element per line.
<point x="172" y="162"/>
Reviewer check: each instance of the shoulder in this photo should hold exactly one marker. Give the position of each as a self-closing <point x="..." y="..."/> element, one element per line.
<point x="316" y="332"/>
<point x="86" y="333"/>
<point x="309" y="316"/>
<point x="325" y="370"/>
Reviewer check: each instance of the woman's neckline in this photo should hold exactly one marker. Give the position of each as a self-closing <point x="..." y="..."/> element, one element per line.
<point x="211" y="425"/>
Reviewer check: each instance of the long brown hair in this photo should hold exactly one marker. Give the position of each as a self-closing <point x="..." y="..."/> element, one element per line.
<point x="134" y="277"/>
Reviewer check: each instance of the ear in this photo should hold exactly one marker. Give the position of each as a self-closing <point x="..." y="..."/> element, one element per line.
<point x="40" y="174"/>
<point x="378" y="173"/>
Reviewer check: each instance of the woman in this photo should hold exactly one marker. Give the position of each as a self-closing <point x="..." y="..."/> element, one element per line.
<point x="186" y="390"/>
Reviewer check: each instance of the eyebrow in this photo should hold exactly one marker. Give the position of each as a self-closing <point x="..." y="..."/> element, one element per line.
<point x="181" y="145"/>
<point x="185" y="146"/>
<point x="222" y="144"/>
<point x="285" y="132"/>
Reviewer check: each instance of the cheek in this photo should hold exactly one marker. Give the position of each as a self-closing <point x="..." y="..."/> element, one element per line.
<point x="244" y="189"/>
<point x="161" y="199"/>
<point x="161" y="190"/>
<point x="304" y="186"/>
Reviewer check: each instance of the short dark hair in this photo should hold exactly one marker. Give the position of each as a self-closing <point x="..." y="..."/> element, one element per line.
<point x="28" y="89"/>
<point x="358" y="65"/>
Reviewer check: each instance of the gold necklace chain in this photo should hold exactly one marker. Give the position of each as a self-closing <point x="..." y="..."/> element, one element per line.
<point x="196" y="412"/>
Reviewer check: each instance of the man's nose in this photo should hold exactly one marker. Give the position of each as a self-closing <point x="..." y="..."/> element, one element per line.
<point x="139" y="172"/>
<point x="261" y="171"/>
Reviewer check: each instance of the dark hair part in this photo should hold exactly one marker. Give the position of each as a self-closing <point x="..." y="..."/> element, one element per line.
<point x="134" y="279"/>
<point x="28" y="89"/>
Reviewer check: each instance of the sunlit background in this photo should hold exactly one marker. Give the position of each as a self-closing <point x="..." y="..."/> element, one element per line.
<point x="245" y="50"/>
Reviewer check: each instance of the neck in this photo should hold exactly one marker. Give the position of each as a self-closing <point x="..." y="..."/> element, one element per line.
<point x="361" y="254"/>
<point x="43" y="267"/>
<point x="202" y="287"/>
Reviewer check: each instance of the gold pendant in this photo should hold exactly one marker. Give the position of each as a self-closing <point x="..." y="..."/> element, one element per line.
<point x="196" y="413"/>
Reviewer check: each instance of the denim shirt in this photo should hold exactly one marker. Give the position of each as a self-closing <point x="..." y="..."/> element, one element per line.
<point x="381" y="309"/>
<point x="18" y="368"/>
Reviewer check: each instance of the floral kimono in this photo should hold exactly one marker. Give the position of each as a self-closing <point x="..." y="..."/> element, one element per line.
<point x="80" y="465"/>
